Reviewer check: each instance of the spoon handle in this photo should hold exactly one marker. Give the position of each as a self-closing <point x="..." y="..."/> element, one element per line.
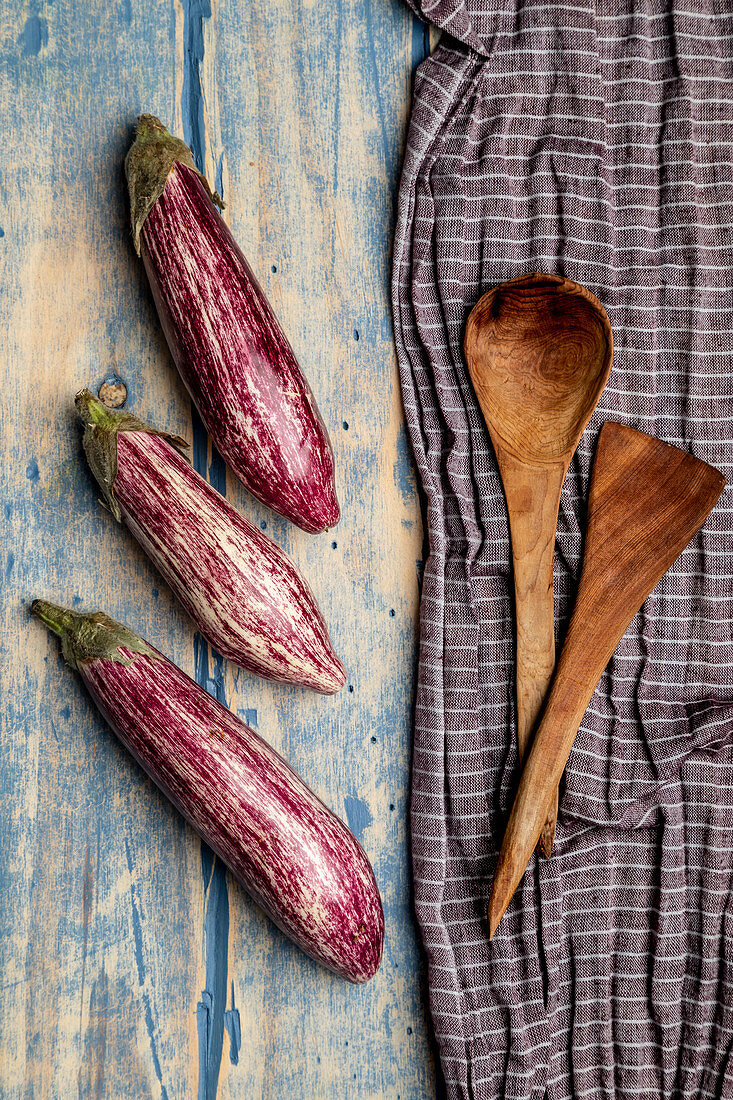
<point x="534" y="496"/>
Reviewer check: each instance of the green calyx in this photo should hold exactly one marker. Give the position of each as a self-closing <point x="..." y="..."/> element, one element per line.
<point x="91" y="636"/>
<point x="101" y="428"/>
<point x="148" y="164"/>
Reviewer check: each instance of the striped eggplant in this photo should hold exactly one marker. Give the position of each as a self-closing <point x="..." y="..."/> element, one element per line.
<point x="226" y="342"/>
<point x="242" y="591"/>
<point x="295" y="857"/>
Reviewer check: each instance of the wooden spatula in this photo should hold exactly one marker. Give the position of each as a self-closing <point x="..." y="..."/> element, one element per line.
<point x="647" y="500"/>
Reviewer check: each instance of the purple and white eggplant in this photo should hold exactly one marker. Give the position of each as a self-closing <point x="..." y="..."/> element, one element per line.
<point x="226" y="342"/>
<point x="295" y="857"/>
<point x="242" y="591"/>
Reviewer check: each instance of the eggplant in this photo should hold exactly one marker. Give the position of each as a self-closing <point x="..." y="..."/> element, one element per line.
<point x="242" y="591"/>
<point x="224" y="337"/>
<point x="290" y="852"/>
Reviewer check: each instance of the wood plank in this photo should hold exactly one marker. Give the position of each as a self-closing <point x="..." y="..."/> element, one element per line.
<point x="116" y="925"/>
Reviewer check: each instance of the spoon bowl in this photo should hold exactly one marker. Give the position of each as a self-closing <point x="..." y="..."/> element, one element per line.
<point x="539" y="353"/>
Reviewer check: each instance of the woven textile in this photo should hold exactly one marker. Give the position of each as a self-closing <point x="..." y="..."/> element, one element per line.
<point x="594" y="141"/>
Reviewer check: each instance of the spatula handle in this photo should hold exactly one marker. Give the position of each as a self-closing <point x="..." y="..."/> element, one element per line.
<point x="566" y="704"/>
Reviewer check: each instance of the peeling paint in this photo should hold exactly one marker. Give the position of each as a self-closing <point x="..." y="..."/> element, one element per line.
<point x="139" y="959"/>
<point x="234" y="1029"/>
<point x="34" y="35"/>
<point x="219" y="181"/>
<point x="404" y="467"/>
<point x="420" y="42"/>
<point x="192" y="100"/>
<point x="210" y="1010"/>
<point x="358" y="815"/>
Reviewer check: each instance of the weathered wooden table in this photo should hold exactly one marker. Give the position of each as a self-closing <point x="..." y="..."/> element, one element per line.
<point x="133" y="966"/>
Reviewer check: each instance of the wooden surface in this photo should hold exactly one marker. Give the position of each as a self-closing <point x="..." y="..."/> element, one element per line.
<point x="132" y="966"/>
<point x="539" y="351"/>
<point x="646" y="501"/>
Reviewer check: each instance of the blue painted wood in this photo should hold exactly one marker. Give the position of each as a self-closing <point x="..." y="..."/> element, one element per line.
<point x="132" y="964"/>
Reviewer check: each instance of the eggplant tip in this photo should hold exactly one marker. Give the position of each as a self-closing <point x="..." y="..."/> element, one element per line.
<point x="318" y="522"/>
<point x="335" y="682"/>
<point x="57" y="619"/>
<point x="42" y="608"/>
<point x="372" y="958"/>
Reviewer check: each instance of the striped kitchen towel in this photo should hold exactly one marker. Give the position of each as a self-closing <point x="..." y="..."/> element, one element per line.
<point x="593" y="140"/>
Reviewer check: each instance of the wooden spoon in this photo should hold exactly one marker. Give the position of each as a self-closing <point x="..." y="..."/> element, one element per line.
<point x="539" y="353"/>
<point x="647" y="500"/>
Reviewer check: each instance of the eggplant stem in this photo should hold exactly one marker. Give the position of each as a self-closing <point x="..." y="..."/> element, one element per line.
<point x="91" y="636"/>
<point x="92" y="411"/>
<point x="58" y="619"/>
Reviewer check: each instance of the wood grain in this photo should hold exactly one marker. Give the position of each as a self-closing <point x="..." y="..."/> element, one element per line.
<point x="647" y="500"/>
<point x="127" y="952"/>
<point x="539" y="351"/>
